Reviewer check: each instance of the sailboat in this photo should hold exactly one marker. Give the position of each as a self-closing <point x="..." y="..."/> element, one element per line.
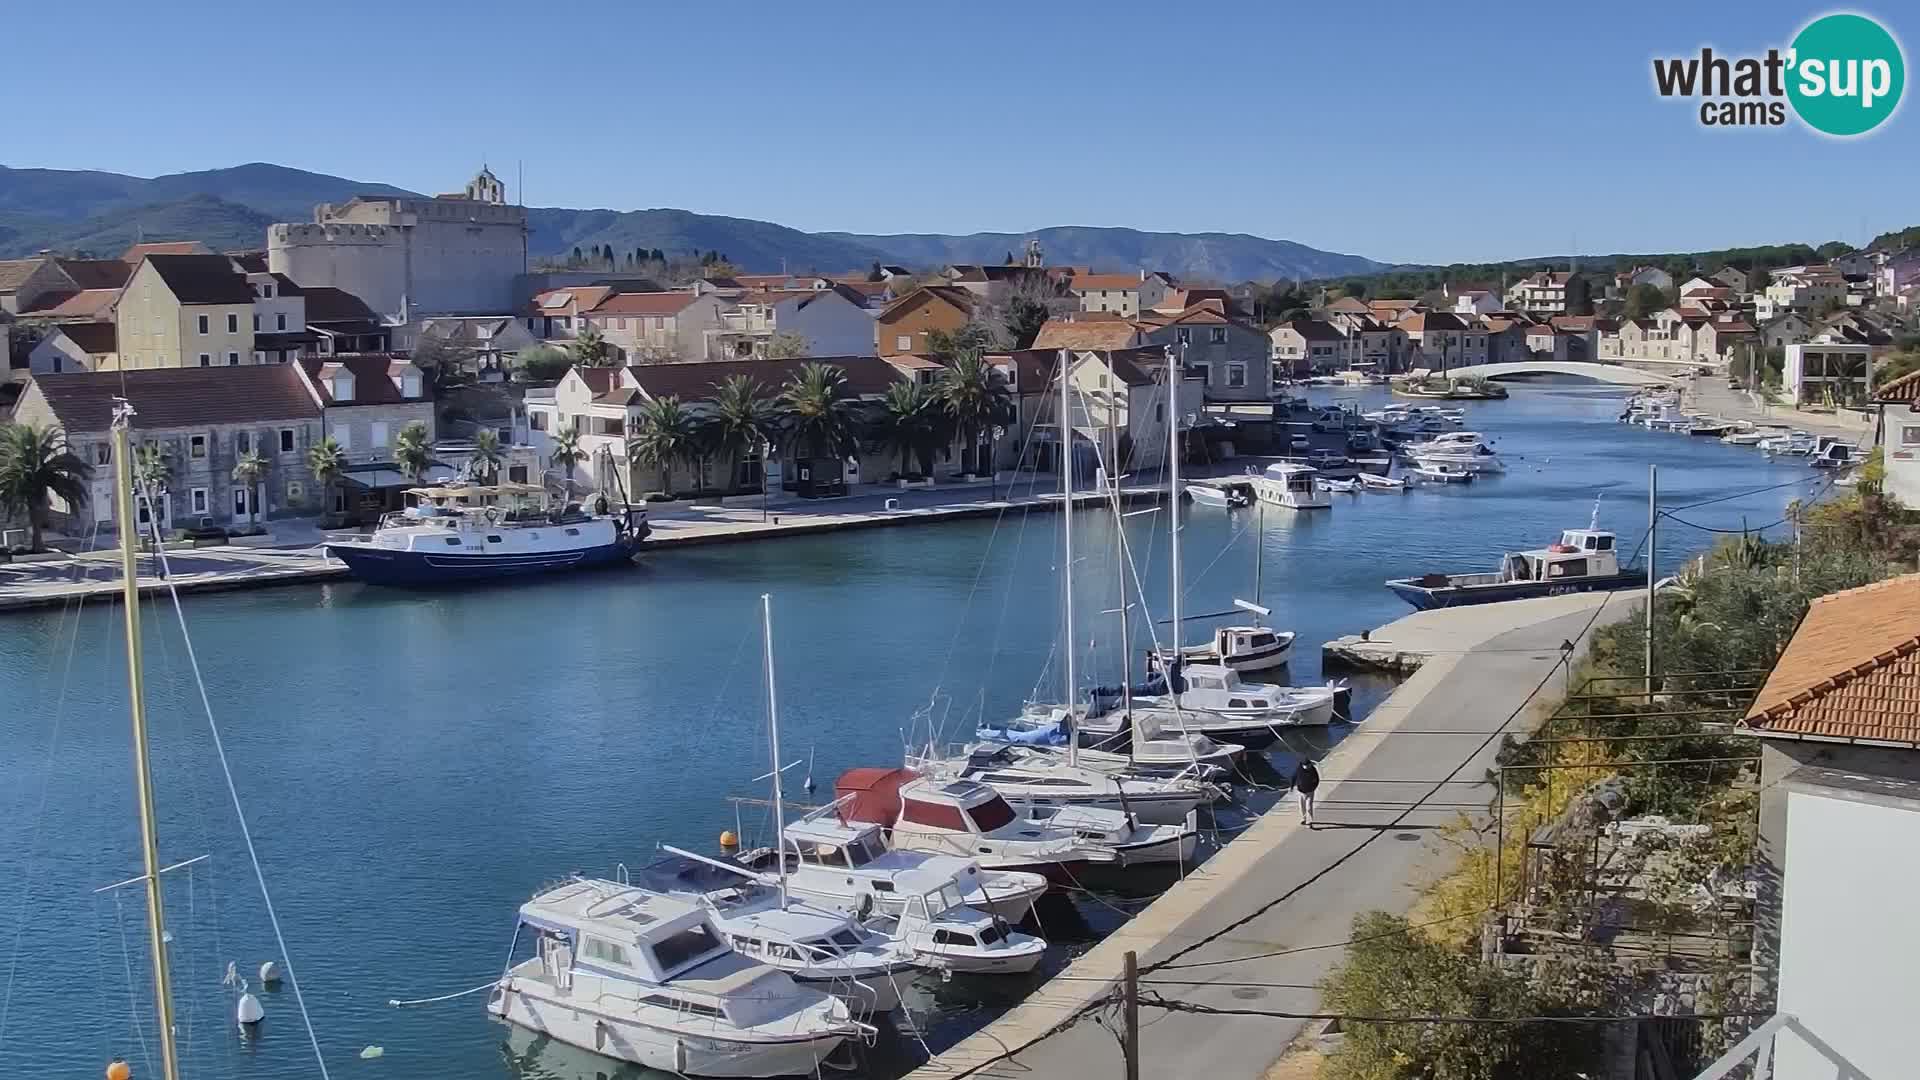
<point x="1241" y="647"/>
<point x="1033" y="776"/>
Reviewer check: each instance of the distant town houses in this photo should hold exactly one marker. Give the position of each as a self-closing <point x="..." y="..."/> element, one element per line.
<point x="1544" y="294"/>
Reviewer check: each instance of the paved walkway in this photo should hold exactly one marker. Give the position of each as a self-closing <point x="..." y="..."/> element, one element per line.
<point x="1418" y="761"/>
<point x="1711" y="394"/>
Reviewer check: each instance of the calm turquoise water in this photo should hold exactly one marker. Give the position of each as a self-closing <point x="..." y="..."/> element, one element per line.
<point x="415" y="765"/>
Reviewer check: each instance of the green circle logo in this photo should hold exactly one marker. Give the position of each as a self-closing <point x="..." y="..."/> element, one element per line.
<point x="1846" y="75"/>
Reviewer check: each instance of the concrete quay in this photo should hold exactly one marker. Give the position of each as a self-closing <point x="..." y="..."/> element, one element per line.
<point x="301" y="560"/>
<point x="1261" y="923"/>
<point x="1406" y="643"/>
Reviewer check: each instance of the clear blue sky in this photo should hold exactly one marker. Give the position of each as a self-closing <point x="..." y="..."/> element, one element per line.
<point x="1404" y="132"/>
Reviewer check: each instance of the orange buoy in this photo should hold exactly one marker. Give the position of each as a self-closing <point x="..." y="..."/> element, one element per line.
<point x="119" y="1070"/>
<point x="727" y="839"/>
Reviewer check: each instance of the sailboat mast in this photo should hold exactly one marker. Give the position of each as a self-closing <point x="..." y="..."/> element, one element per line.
<point x="773" y="740"/>
<point x="142" y="765"/>
<point x="1259" y="550"/>
<point x="1173" y="500"/>
<point x="1066" y="566"/>
<point x="1114" y="466"/>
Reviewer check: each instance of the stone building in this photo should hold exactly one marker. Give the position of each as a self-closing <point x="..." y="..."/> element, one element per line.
<point x="202" y="420"/>
<point x="366" y="400"/>
<point x="451" y="254"/>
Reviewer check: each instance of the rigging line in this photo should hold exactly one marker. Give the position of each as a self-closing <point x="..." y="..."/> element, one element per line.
<point x="78" y="608"/>
<point x="1814" y="498"/>
<point x="233" y="791"/>
<point x="1410" y="928"/>
<point x="1157" y="1001"/>
<point x="1743" y="494"/>
<point x="1398" y="818"/>
<point x="126" y="962"/>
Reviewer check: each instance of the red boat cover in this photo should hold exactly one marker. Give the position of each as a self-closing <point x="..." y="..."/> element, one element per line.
<point x="876" y="795"/>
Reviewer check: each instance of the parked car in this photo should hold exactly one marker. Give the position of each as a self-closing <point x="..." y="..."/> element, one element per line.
<point x="204" y="531"/>
<point x="1324" y="458"/>
<point x="1299" y="442"/>
<point x="1360" y="440"/>
<point x="1330" y="421"/>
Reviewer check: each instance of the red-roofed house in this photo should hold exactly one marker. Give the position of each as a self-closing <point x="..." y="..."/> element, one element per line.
<point x="1229" y="357"/>
<point x="651" y="327"/>
<point x="1544" y="293"/>
<point x="903" y="326"/>
<point x="1123" y="294"/>
<point x="830" y="321"/>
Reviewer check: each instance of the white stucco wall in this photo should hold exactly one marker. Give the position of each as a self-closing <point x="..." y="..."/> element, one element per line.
<point x="1848" y="936"/>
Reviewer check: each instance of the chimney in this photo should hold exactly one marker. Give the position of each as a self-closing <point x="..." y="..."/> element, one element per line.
<point x="1143" y="273"/>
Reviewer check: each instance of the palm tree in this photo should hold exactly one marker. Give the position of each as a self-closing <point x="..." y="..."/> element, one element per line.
<point x="566" y="450"/>
<point x="35" y="466"/>
<point x="487" y="455"/>
<point x="741" y="418"/>
<point x="591" y="350"/>
<point x="910" y="421"/>
<point x="667" y="433"/>
<point x="153" y="475"/>
<point x="975" y="396"/>
<point x="247" y="473"/>
<point x="411" y="451"/>
<point x="819" y="415"/>
<point x="326" y="463"/>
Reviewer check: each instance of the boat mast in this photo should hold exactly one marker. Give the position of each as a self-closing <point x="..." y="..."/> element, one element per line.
<point x="1066" y="566"/>
<point x="1173" y="504"/>
<point x="1120" y="567"/>
<point x="1259" y="550"/>
<point x="773" y="740"/>
<point x="142" y="765"/>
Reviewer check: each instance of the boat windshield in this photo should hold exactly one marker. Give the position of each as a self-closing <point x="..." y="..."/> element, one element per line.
<point x="992" y="814"/>
<point x="863" y="851"/>
<point x="677" y="950"/>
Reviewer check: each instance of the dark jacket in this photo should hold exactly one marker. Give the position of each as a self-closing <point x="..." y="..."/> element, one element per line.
<point x="1306" y="778"/>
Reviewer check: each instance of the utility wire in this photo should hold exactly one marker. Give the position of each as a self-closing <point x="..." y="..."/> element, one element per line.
<point x="1157" y="1001"/>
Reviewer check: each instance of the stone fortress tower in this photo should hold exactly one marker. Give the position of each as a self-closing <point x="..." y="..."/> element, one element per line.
<point x="458" y="253"/>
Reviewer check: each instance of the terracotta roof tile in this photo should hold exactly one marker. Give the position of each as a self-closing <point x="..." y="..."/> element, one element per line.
<point x="373" y="379"/>
<point x="1852" y="669"/>
<point x="952" y="294"/>
<point x="179" y="397"/>
<point x="15" y="272"/>
<point x="645" y="303"/>
<point x="696" y="381"/>
<point x="1093" y="334"/>
<point x="1903" y="390"/>
<point x="88" y="304"/>
<point x="137" y="252"/>
<point x="1123" y="282"/>
<point x="96" y="273"/>
<point x="97" y="338"/>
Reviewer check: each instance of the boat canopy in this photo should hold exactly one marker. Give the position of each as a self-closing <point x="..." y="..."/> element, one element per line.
<point x="872" y="795"/>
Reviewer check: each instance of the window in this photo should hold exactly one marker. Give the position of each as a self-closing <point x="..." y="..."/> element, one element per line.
<point x="267" y="291"/>
<point x="56" y="364"/>
<point x="1236" y="375"/>
<point x="280" y="321"/>
<point x="453" y="541"/>
<point x="903" y="343"/>
<point x="1910" y="435"/>
<point x="233" y="359"/>
<point x="197" y="446"/>
<point x="492" y="539"/>
<point x="951" y="937"/>
<point x="206" y="359"/>
<point x="607" y="952"/>
<point x="688" y="944"/>
<point x="935" y="814"/>
<point x="203" y="324"/>
<point x="103" y="452"/>
<point x="377" y="434"/>
<point x="1183" y="335"/>
<point x="233" y="323"/>
<point x="286" y="440"/>
<point x="537" y="421"/>
<point x="1203" y="372"/>
<point x="1217" y="335"/>
<point x="1567" y="568"/>
<point x="242" y="441"/>
<point x="989" y="816"/>
<point x="198" y="500"/>
<point x="256" y="323"/>
<point x="240" y="501"/>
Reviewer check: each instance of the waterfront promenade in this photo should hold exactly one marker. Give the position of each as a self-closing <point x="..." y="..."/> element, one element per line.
<point x="295" y="556"/>
<point x="1259" y="925"/>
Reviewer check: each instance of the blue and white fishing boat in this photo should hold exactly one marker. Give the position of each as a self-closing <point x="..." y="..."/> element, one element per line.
<point x="1584" y="560"/>
<point x="476" y="533"/>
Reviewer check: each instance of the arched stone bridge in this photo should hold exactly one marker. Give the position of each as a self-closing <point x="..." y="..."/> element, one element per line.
<point x="1608" y="373"/>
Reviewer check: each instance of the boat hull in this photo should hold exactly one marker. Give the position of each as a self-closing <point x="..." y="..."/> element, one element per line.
<point x="1427" y="598"/>
<point x="878" y="992"/>
<point x="1147" y="809"/>
<point x="421" y="569"/>
<point x="579" y="1023"/>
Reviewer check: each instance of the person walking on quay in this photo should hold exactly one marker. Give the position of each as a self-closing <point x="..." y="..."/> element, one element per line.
<point x="1305" y="779"/>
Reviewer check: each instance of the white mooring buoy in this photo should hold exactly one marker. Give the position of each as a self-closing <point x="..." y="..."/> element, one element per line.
<point x="269" y="974"/>
<point x="248" y="1012"/>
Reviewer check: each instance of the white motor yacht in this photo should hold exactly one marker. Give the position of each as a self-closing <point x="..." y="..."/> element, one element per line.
<point x="1136" y="844"/>
<point x="1151" y="743"/>
<point x="849" y="866"/>
<point x="1221" y="704"/>
<point x="948" y="934"/>
<point x="648" y="979"/>
<point x="819" y="946"/>
<point x="1023" y="775"/>
<point x="965" y="818"/>
<point x="1439" y="472"/>
<point x="1242" y="648"/>
<point x="474" y="533"/>
<point x="1289" y="485"/>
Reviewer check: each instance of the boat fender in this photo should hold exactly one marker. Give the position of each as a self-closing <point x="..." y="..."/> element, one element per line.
<point x="863" y="909"/>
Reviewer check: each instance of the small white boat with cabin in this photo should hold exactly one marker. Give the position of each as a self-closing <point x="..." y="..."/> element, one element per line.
<point x="947" y="934"/>
<point x="1381" y="483"/>
<point x="1583" y="560"/>
<point x="1223" y="705"/>
<point x="1288" y="485"/>
<point x="964" y="818"/>
<point x="1339" y="487"/>
<point x="1225" y="498"/>
<point x="850" y="866"/>
<point x="1440" y="472"/>
<point x="1150" y="743"/>
<point x="644" y="978"/>
<point x="1242" y="648"/>
<point x="1744" y="438"/>
<point x="1121" y="833"/>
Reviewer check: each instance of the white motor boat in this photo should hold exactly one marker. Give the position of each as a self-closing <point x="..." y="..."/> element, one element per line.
<point x="819" y="946"/>
<point x="1440" y="472"/>
<point x="648" y="979"/>
<point x="1381" y="483"/>
<point x="475" y="533"/>
<point x="1795" y="443"/>
<point x="1289" y="485"/>
<point x="947" y="934"/>
<point x="1121" y="833"/>
<point x="1215" y="495"/>
<point x="1743" y="438"/>
<point x="1343" y="487"/>
<point x="1220" y="692"/>
<point x="848" y="865"/>
<point x="1242" y="648"/>
<point x="1582" y="560"/>
<point x="1150" y="744"/>
<point x="964" y="818"/>
<point x="1481" y="461"/>
<point x="1054" y="780"/>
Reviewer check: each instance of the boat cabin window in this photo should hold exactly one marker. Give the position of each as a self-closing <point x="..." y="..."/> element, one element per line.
<point x="951" y="937"/>
<point x="847" y="939"/>
<point x="1518" y="568"/>
<point x="863" y="851"/>
<point x="882" y="885"/>
<point x="1567" y="568"/>
<point x="991" y="815"/>
<point x="1259" y="703"/>
<point x="1207" y="683"/>
<point x="1236" y="703"/>
<point x="1603" y="543"/>
<point x="491" y="539"/>
<point x="992" y="934"/>
<point x="573" y="532"/>
<point x="607" y="952"/>
<point x="825" y="855"/>
<point x="453" y="541"/>
<point x="677" y="949"/>
<point x="1260" y="641"/>
<point x="938" y="815"/>
<point x="682" y="1005"/>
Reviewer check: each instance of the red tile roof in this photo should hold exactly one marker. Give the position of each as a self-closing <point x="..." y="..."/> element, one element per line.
<point x="949" y="294"/>
<point x="97" y="338"/>
<point x="179" y="397"/>
<point x="1852" y="669"/>
<point x="137" y="252"/>
<point x="1904" y="390"/>
<point x="96" y="273"/>
<point x="373" y="378"/>
<point x="89" y="304"/>
<point x="695" y="381"/>
<point x="1091" y="334"/>
<point x="1123" y="282"/>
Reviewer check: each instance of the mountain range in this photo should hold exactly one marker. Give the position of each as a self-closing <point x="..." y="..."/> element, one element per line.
<point x="229" y="209"/>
